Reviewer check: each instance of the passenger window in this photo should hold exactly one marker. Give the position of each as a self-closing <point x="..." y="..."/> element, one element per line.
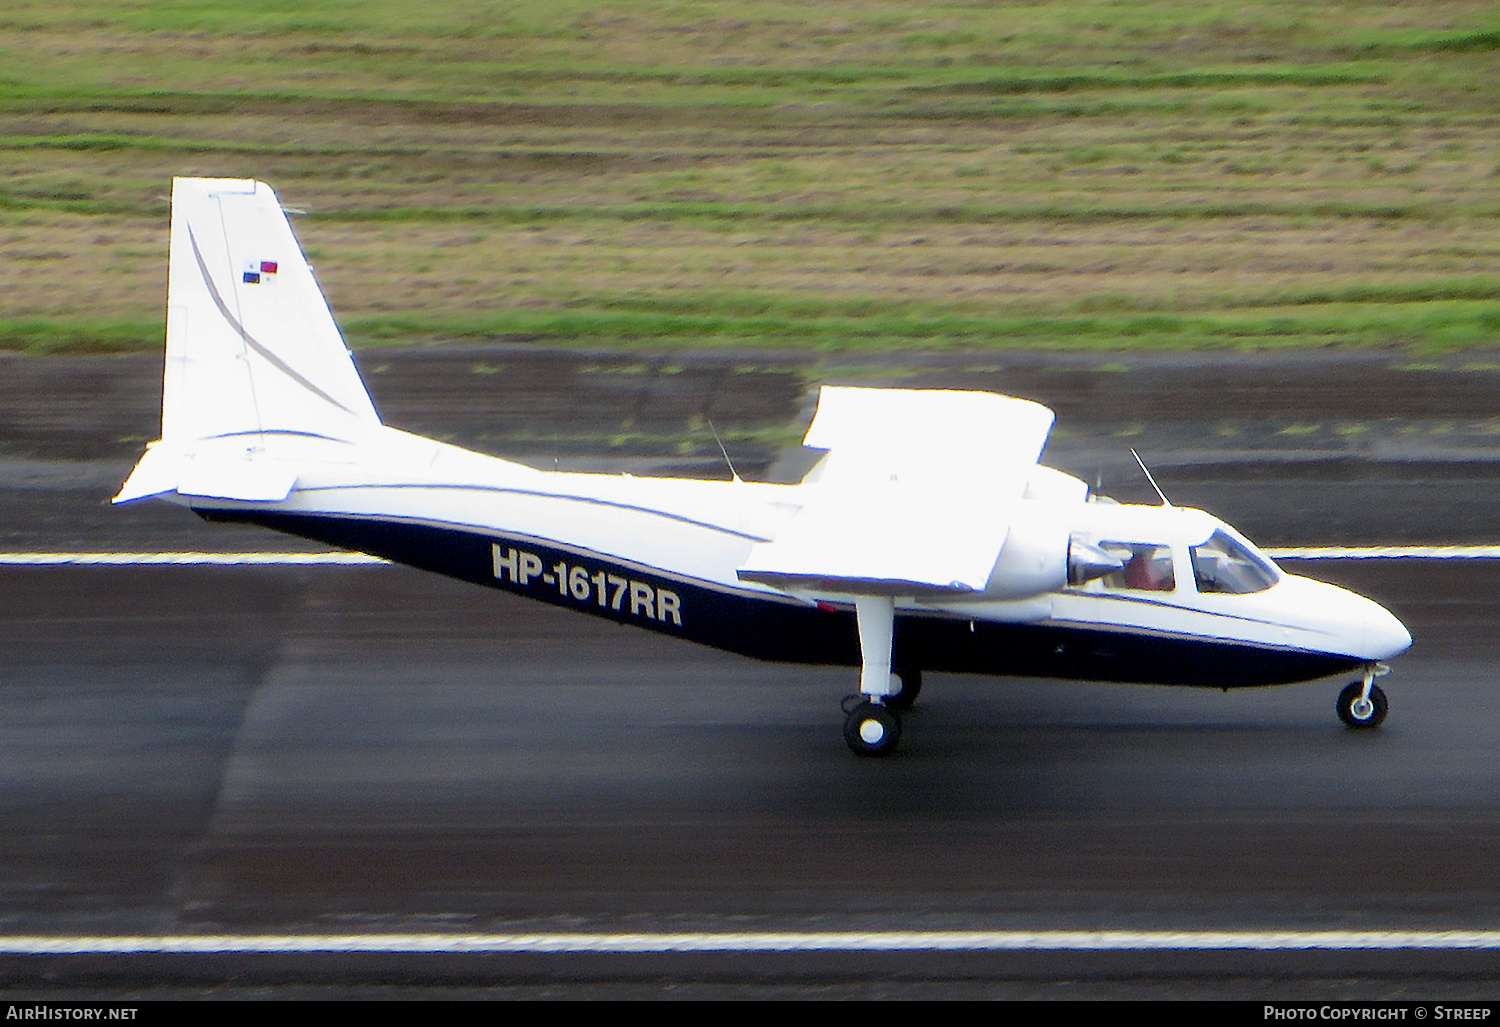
<point x="1147" y="567"/>
<point x="1222" y="564"/>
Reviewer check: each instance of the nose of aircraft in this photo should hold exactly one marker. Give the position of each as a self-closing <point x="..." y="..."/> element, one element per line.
<point x="1349" y="623"/>
<point x="1373" y="630"/>
<point x="1384" y="635"/>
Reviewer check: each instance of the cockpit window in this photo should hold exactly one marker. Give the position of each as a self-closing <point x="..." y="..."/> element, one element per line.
<point x="1147" y="567"/>
<point x="1223" y="564"/>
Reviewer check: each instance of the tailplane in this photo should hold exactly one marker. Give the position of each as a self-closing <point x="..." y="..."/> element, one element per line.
<point x="254" y="358"/>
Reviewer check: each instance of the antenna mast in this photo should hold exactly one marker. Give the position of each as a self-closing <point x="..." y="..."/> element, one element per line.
<point x="732" y="472"/>
<point x="1144" y="470"/>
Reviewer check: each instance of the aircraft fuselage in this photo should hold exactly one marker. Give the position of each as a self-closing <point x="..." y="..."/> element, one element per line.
<point x="662" y="554"/>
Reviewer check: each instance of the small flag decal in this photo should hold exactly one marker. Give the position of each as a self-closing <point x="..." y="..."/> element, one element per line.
<point x="257" y="270"/>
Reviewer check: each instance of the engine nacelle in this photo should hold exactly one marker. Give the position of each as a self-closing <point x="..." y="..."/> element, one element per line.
<point x="1034" y="559"/>
<point x="1050" y="485"/>
<point x="1042" y="555"/>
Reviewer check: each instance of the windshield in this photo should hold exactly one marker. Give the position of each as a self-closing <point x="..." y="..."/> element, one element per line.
<point x="1224" y="564"/>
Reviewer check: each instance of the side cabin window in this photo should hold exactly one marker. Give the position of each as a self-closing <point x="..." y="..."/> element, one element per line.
<point x="1147" y="567"/>
<point x="1223" y="564"/>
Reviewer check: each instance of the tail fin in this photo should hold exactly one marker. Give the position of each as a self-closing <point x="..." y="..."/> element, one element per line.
<point x="253" y="353"/>
<point x="251" y="345"/>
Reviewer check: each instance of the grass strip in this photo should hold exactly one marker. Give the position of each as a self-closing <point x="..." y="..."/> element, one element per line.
<point x="1412" y="327"/>
<point x="1013" y="85"/>
<point x="908" y="213"/>
<point x="82" y="201"/>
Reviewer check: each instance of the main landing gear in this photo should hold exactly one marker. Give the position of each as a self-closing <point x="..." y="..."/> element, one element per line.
<point x="908" y="684"/>
<point x="1362" y="704"/>
<point x="872" y="722"/>
<point x="872" y="728"/>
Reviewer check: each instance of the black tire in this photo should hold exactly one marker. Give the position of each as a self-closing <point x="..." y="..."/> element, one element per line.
<point x="911" y="687"/>
<point x="1346" y="706"/>
<point x="872" y="730"/>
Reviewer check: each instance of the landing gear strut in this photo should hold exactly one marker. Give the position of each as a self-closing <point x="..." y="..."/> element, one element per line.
<point x="872" y="726"/>
<point x="1362" y="704"/>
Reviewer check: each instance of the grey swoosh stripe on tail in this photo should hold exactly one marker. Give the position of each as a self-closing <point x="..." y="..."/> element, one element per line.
<point x="250" y="341"/>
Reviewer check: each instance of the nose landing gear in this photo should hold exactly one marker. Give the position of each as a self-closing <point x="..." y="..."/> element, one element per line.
<point x="1362" y="704"/>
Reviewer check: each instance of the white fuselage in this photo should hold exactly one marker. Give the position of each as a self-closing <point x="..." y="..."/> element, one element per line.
<point x="647" y="550"/>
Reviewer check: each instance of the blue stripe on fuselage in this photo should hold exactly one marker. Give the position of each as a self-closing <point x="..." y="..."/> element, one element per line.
<point x="783" y="630"/>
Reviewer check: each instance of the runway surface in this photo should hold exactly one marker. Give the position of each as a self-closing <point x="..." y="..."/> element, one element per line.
<point x="367" y="750"/>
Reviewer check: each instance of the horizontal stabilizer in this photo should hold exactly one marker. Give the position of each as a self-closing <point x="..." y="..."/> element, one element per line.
<point x="211" y="475"/>
<point x="247" y="480"/>
<point x="154" y="475"/>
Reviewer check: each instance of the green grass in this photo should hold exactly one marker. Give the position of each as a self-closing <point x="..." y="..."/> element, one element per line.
<point x="682" y="173"/>
<point x="1414" y="327"/>
<point x="84" y="335"/>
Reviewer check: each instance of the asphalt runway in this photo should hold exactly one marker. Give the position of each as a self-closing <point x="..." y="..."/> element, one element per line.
<point x="229" y="749"/>
<point x="372" y="750"/>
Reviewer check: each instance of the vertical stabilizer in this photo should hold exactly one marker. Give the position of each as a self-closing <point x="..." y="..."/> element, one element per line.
<point x="251" y="345"/>
<point x="256" y="369"/>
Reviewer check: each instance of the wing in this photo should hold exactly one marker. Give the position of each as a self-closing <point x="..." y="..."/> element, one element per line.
<point x="913" y="497"/>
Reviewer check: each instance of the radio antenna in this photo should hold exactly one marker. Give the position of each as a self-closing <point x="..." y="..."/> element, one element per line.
<point x="732" y="472"/>
<point x="1144" y="470"/>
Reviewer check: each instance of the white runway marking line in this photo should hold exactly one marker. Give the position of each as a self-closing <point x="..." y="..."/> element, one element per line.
<point x="873" y="941"/>
<point x="1386" y="553"/>
<point x="123" y="559"/>
<point x="185" y="559"/>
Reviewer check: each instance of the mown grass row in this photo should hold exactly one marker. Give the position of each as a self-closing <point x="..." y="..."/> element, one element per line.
<point x="1418" y="328"/>
<point x="908" y="80"/>
<point x="1413" y="326"/>
<point x="79" y="202"/>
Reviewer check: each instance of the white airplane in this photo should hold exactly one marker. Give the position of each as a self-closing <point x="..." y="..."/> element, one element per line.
<point x="927" y="538"/>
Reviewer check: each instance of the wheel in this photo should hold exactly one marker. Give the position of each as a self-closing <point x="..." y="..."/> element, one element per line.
<point x="1356" y="713"/>
<point x="911" y="687"/>
<point x="872" y="730"/>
